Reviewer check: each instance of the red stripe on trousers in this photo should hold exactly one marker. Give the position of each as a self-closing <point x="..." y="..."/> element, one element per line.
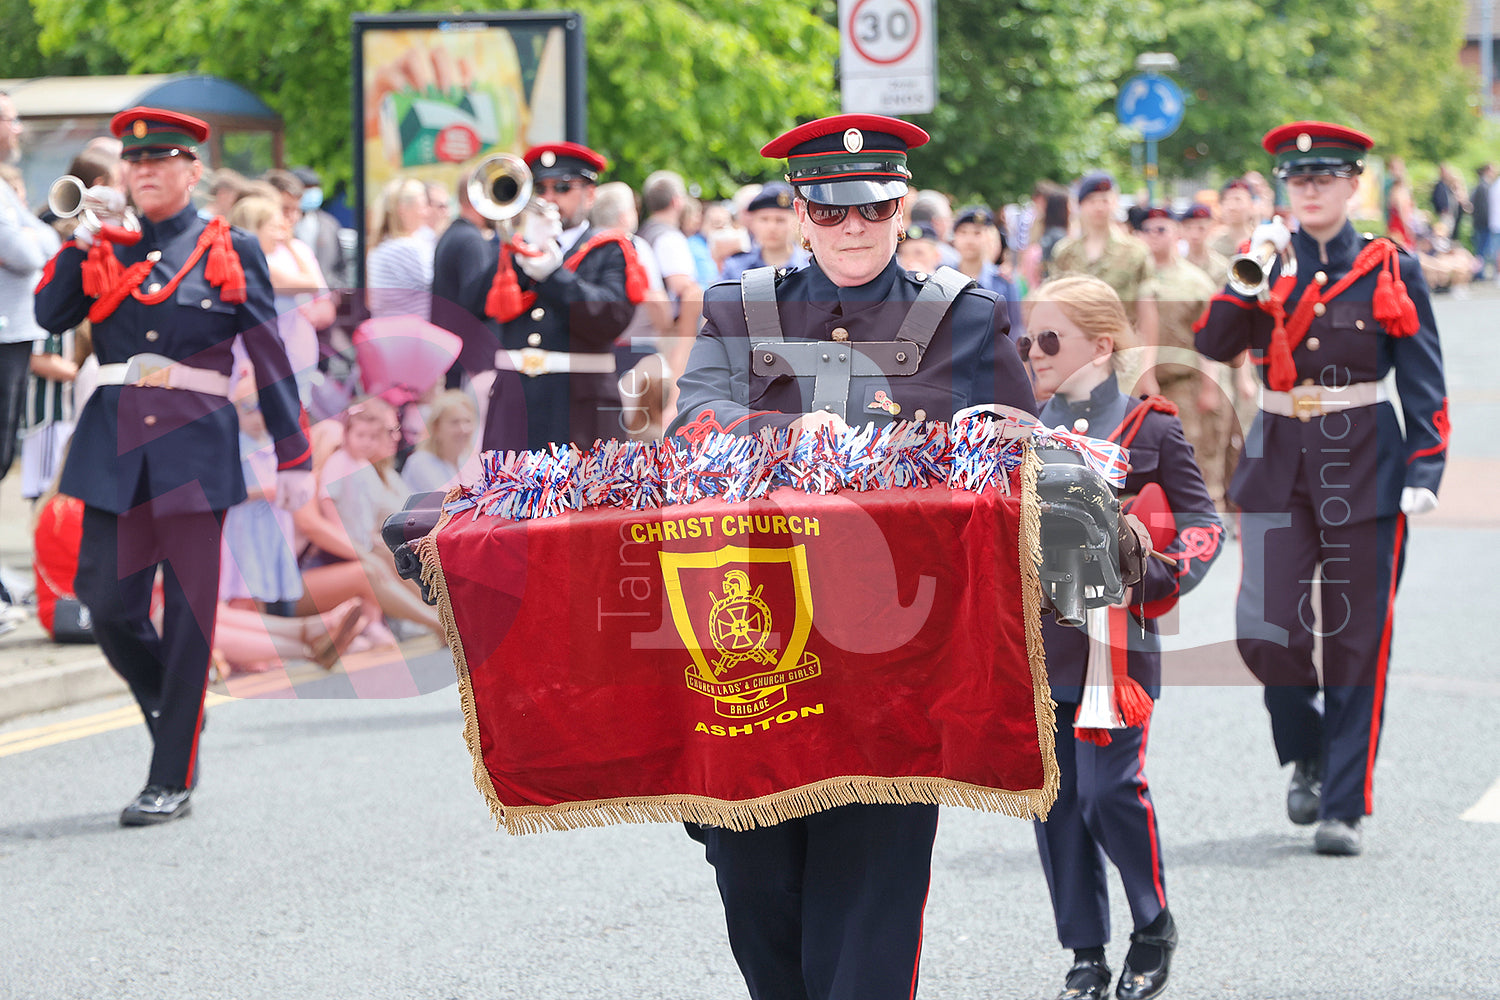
<point x="916" y="963"/>
<point x="1380" y="667"/>
<point x="1140" y="793"/>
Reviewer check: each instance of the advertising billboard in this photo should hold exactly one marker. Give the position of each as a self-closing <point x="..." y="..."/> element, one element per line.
<point x="434" y="94"/>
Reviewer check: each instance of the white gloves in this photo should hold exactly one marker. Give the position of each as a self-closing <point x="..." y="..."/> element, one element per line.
<point x="540" y="268"/>
<point x="104" y="201"/>
<point x="1273" y="232"/>
<point x="294" y="488"/>
<point x="542" y="232"/>
<point x="1417" y="500"/>
<point x="101" y="204"/>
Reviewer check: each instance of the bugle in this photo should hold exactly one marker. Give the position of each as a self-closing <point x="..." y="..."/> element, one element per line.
<point x="1096" y="708"/>
<point x="1250" y="273"/>
<point x="499" y="187"/>
<point x="66" y="198"/>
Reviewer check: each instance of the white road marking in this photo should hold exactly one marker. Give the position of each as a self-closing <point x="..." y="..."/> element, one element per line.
<point x="1487" y="809"/>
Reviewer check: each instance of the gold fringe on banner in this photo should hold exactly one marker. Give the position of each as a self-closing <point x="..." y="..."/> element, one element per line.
<point x="768" y="810"/>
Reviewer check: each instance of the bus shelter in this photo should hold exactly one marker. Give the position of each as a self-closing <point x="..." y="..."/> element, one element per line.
<point x="62" y="113"/>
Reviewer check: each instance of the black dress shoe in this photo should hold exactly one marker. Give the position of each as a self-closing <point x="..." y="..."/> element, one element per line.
<point x="1087" y="980"/>
<point x="1305" y="793"/>
<point x="1143" y="984"/>
<point x="156" y="804"/>
<point x="1338" y="837"/>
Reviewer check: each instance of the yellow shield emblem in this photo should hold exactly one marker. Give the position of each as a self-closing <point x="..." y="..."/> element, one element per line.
<point x="744" y="616"/>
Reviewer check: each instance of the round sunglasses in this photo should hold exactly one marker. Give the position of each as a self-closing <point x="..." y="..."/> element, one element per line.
<point x="833" y="215"/>
<point x="554" y="187"/>
<point x="1046" y="340"/>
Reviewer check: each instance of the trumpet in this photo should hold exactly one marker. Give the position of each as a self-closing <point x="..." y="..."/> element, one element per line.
<point x="1097" y="709"/>
<point x="66" y="199"/>
<point x="499" y="187"/>
<point x="1250" y="273"/>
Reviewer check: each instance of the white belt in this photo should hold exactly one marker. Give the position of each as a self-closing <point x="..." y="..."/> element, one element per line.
<point x="1307" y="401"/>
<point x="164" y="373"/>
<point x="533" y="361"/>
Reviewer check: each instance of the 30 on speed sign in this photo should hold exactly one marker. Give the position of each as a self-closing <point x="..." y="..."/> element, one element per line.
<point x="888" y="56"/>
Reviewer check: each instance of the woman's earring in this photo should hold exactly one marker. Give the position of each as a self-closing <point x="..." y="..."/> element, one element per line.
<point x="901" y="236"/>
<point x="807" y="244"/>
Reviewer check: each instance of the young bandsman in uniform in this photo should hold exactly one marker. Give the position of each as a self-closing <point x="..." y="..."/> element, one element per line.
<point x="1104" y="806"/>
<point x="1329" y="475"/>
<point x="149" y="456"/>
<point x="560" y="300"/>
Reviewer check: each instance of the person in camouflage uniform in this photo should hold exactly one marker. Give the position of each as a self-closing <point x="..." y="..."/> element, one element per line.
<point x="1236" y="217"/>
<point x="1197" y="222"/>
<point x="1181" y="292"/>
<point x="1119" y="259"/>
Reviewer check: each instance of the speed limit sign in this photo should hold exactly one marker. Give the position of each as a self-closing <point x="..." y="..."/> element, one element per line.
<point x="888" y="56"/>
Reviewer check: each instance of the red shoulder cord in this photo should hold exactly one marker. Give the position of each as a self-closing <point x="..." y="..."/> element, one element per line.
<point x="109" y="284"/>
<point x="1391" y="304"/>
<point x="506" y="301"/>
<point x="1131" y="425"/>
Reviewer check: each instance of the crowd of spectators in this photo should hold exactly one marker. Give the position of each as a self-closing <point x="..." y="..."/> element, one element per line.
<point x="325" y="563"/>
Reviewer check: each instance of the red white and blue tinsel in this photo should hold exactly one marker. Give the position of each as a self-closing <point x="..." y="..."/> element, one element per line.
<point x="974" y="453"/>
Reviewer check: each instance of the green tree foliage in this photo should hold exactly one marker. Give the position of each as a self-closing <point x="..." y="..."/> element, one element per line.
<point x="1026" y="87"/>
<point x="695" y="85"/>
<point x="1389" y="67"/>
<point x="1247" y="67"/>
<point x="1026" y="91"/>
<point x="1401" y="88"/>
<point x="21" y="55"/>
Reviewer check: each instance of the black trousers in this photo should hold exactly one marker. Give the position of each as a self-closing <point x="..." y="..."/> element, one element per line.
<point x="15" y="366"/>
<point x="828" y="907"/>
<point x="1103" y="809"/>
<point x="168" y="670"/>
<point x="1359" y="568"/>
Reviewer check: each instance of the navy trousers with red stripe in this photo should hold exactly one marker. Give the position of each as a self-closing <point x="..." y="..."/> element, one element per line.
<point x="1103" y="809"/>
<point x="1336" y="717"/>
<point x="828" y="907"/>
<point x="168" y="670"/>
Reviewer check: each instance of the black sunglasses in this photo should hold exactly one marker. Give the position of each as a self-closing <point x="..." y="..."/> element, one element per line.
<point x="832" y="215"/>
<point x="1046" y="340"/>
<point x="558" y="187"/>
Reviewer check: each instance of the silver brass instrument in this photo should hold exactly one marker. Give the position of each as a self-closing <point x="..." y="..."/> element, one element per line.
<point x="1250" y="273"/>
<point x="65" y="199"/>
<point x="1096" y="709"/>
<point x="499" y="187"/>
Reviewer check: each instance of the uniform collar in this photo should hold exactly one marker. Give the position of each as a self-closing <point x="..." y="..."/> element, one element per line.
<point x="854" y="297"/>
<point x="168" y="229"/>
<point x="1344" y="245"/>
<point x="1060" y="410"/>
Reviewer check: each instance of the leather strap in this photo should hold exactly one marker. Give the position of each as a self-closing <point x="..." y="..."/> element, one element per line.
<point x="933" y="303"/>
<point x="758" y="293"/>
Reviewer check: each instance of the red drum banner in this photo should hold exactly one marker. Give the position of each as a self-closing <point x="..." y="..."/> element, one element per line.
<point x="742" y="663"/>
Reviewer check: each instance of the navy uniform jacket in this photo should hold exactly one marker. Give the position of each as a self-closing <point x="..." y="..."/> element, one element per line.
<point x="457" y="261"/>
<point x="135" y="443"/>
<point x="1158" y="454"/>
<point x="578" y="312"/>
<point x="1366" y="461"/>
<point x="969" y="361"/>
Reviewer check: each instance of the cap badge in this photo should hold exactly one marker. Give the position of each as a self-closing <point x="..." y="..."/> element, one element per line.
<point x="140" y="129"/>
<point x="784" y="200"/>
<point x="854" y="140"/>
<point x="1304" y="142"/>
<point x="548" y="158"/>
